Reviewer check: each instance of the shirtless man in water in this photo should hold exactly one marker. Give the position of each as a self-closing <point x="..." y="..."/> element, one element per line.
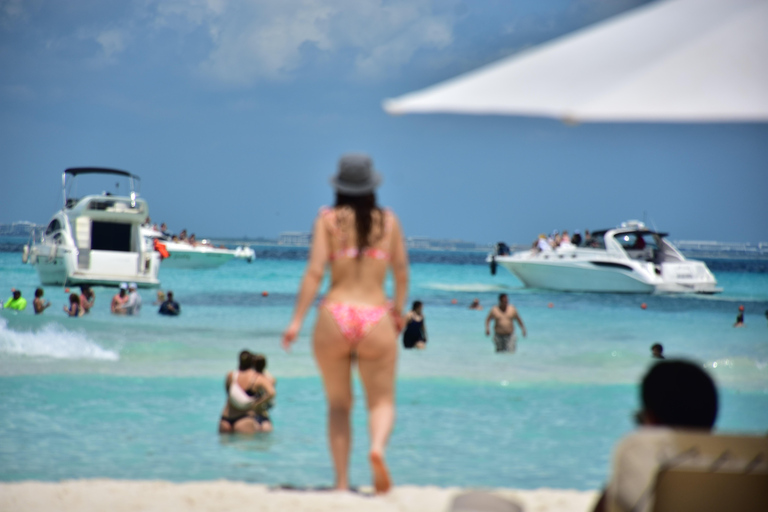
<point x="504" y="315"/>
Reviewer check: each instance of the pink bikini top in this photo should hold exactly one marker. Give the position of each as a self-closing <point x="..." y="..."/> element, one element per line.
<point x="352" y="252"/>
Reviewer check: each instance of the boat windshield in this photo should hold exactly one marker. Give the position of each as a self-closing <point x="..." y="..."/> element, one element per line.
<point x="637" y="241"/>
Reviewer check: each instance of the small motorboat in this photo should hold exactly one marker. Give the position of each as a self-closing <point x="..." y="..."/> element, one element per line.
<point x="182" y="254"/>
<point x="246" y="253"/>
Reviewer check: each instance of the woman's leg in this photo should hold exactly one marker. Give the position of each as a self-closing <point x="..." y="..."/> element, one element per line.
<point x="333" y="355"/>
<point x="377" y="361"/>
<point x="224" y="427"/>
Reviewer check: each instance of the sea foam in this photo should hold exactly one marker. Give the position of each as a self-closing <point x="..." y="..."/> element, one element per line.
<point x="51" y="341"/>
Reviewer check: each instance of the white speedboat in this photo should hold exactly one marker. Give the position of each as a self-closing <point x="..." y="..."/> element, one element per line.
<point x="246" y="253"/>
<point x="182" y="254"/>
<point x="95" y="239"/>
<point x="627" y="259"/>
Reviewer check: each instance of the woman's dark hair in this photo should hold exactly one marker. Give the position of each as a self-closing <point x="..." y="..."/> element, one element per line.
<point x="362" y="206"/>
<point x="246" y="360"/>
<point x="416" y="304"/>
<point x="259" y="362"/>
<point x="680" y="394"/>
<point x="74" y="298"/>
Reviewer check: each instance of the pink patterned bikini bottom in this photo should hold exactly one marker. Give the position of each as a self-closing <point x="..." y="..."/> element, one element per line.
<point x="355" y="320"/>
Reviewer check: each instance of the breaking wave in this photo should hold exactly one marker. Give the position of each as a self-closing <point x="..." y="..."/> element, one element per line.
<point x="51" y="341"/>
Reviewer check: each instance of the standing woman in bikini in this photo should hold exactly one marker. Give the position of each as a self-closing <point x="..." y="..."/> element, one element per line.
<point x="360" y="242"/>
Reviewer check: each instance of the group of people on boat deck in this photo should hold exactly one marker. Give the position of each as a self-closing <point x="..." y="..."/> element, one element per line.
<point x="181" y="237"/>
<point x="556" y="239"/>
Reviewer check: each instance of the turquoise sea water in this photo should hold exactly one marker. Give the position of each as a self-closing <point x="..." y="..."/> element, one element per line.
<point x="138" y="398"/>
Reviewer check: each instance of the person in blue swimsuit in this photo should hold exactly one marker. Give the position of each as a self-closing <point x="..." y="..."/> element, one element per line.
<point x="415" y="334"/>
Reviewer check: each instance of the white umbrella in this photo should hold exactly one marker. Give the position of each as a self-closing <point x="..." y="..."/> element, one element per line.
<point x="673" y="60"/>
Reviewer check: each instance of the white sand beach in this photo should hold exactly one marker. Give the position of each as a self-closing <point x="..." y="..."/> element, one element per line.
<point x="159" y="496"/>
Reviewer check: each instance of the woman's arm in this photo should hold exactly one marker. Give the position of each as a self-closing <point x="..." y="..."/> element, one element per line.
<point x="318" y="258"/>
<point x="399" y="264"/>
<point x="263" y="383"/>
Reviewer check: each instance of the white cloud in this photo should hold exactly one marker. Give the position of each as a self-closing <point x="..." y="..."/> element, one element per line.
<point x="247" y="41"/>
<point x="112" y="42"/>
<point x="254" y="40"/>
<point x="11" y="11"/>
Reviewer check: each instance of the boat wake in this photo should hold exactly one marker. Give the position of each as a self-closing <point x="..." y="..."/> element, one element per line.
<point x="52" y="341"/>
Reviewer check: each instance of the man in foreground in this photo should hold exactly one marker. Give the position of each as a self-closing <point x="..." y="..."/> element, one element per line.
<point x="504" y="316"/>
<point x="675" y="395"/>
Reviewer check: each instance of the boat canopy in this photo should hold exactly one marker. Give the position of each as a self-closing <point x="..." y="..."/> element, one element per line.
<point x="74" y="171"/>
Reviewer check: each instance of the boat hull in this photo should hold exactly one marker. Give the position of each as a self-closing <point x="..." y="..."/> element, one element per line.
<point x="59" y="266"/>
<point x="186" y="256"/>
<point x="578" y="277"/>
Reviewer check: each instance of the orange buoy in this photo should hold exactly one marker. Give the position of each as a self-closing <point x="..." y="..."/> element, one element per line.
<point x="454" y="301"/>
<point x="264" y="293"/>
<point x="66" y="290"/>
<point x="13" y="290"/>
<point x="550" y="305"/>
<point x="741" y="307"/>
<point x="643" y="305"/>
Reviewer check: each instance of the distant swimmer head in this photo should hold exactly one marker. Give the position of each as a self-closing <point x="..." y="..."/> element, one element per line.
<point x="657" y="351"/>
<point x="355" y="175"/>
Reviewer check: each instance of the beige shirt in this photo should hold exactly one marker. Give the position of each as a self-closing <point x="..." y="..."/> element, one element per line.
<point x="638" y="457"/>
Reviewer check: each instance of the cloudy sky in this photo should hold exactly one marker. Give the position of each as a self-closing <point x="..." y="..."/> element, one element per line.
<point x="234" y="114"/>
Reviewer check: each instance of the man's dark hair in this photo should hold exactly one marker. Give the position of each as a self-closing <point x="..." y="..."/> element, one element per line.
<point x="246" y="360"/>
<point x="259" y="362"/>
<point x="39" y="292"/>
<point x="680" y="394"/>
<point x="501" y="295"/>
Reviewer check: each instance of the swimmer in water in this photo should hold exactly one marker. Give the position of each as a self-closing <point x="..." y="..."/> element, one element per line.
<point x="740" y="317"/>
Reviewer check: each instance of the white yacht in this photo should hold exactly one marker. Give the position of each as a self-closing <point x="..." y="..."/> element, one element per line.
<point x="627" y="259"/>
<point x="183" y="254"/>
<point x="95" y="239"/>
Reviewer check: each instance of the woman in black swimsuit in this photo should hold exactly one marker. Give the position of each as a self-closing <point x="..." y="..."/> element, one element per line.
<point x="415" y="334"/>
<point x="247" y="391"/>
